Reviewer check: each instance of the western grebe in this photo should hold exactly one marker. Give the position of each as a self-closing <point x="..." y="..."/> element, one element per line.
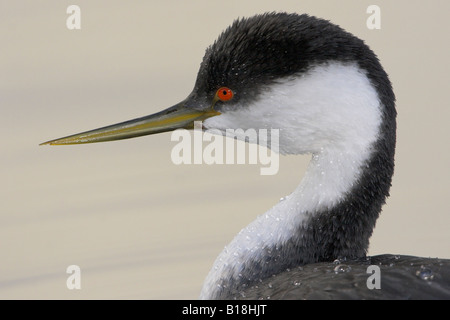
<point x="329" y="96"/>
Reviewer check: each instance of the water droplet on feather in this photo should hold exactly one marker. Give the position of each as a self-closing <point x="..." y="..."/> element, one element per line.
<point x="341" y="268"/>
<point x="425" y="273"/>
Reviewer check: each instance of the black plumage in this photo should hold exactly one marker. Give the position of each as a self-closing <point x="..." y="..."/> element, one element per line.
<point x="255" y="52"/>
<point x="401" y="277"/>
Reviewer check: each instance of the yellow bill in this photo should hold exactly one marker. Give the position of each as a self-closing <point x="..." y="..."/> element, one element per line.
<point x="170" y="119"/>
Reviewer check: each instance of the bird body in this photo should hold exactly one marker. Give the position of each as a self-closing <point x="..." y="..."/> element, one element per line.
<point x="400" y="277"/>
<point x="329" y="96"/>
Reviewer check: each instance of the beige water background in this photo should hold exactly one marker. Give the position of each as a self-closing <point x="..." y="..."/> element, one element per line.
<point x="138" y="225"/>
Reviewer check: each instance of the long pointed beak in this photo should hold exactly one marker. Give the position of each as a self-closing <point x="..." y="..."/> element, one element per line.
<point x="169" y="119"/>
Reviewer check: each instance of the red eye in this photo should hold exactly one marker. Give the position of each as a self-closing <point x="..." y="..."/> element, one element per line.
<point x="224" y="94"/>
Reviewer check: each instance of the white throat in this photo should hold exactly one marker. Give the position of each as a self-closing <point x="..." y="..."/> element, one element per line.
<point x="333" y="112"/>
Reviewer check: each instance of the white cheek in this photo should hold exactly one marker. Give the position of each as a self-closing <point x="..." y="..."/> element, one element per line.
<point x="332" y="103"/>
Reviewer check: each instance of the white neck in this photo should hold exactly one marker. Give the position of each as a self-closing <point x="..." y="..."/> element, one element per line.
<point x="339" y="131"/>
